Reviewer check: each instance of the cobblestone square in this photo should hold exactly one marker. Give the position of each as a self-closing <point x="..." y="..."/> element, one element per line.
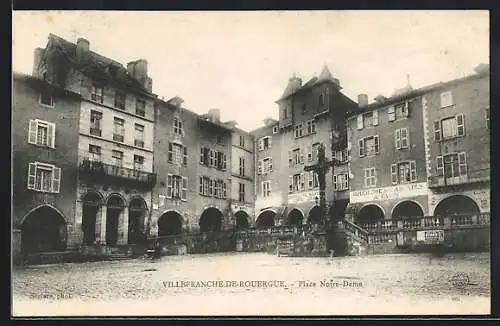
<point x="257" y="284"/>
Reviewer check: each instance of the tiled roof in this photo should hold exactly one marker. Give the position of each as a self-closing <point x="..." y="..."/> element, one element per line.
<point x="94" y="64"/>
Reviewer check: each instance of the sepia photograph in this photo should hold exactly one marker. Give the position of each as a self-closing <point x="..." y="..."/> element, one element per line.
<point x="250" y="163"/>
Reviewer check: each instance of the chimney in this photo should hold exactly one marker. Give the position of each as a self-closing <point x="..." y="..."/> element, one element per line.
<point x="141" y="71"/>
<point x="294" y="82"/>
<point x="380" y="98"/>
<point x="214" y="115"/>
<point x="362" y="100"/>
<point x="131" y="68"/>
<point x="269" y="121"/>
<point x="82" y="47"/>
<point x="37" y="58"/>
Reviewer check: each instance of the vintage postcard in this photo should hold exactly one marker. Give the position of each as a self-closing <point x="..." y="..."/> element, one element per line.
<point x="252" y="163"/>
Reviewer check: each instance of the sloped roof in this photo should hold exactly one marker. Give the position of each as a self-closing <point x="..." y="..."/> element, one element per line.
<point x="94" y="64"/>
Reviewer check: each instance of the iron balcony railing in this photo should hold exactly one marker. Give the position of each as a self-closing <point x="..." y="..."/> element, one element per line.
<point x="102" y="172"/>
<point x="441" y="181"/>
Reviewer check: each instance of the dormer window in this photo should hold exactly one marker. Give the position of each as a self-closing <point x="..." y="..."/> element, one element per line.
<point x="97" y="93"/>
<point x="46" y="98"/>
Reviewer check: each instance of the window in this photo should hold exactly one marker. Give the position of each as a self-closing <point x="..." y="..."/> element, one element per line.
<point x="242" y="141"/>
<point x="446" y="99"/>
<point x="401" y="138"/>
<point x="139" y="135"/>
<point x="398" y="111"/>
<point x="285" y="113"/>
<point x="304" y="109"/>
<point x="452" y="165"/>
<point x="205" y="186"/>
<point x="177" y="154"/>
<point x="312" y="180"/>
<point x="487" y="117"/>
<point x="275" y="129"/>
<point x="120" y="100"/>
<point x="299" y="129"/>
<point x="242" y="166"/>
<point x="264" y="143"/>
<point x="95" y="123"/>
<point x="44" y="177"/>
<point x="117" y="157"/>
<point x="369" y="146"/>
<point x="267" y="165"/>
<point x="341" y="182"/>
<point x="311" y="127"/>
<point x="138" y="162"/>
<point x="449" y="128"/>
<point x="212" y="158"/>
<point x="298" y="182"/>
<point x="341" y="156"/>
<point x="220" y="140"/>
<point x="241" y="192"/>
<point x="315" y="148"/>
<point x="46" y="98"/>
<point x="119" y="129"/>
<point x="97" y="93"/>
<point x="367" y="119"/>
<point x="95" y="153"/>
<point x="403" y="172"/>
<point x="140" y="107"/>
<point x="370" y="177"/>
<point x="178" y="128"/>
<point x="266" y="188"/>
<point x="176" y="187"/>
<point x="298" y="157"/>
<point x="42" y="133"/>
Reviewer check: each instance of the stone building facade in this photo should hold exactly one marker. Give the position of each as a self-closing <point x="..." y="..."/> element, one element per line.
<point x="45" y="127"/>
<point x="309" y="114"/>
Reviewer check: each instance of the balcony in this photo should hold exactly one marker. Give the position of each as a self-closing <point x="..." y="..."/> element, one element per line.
<point x="95" y="132"/>
<point x="94" y="171"/>
<point x="118" y="138"/>
<point x="436" y="182"/>
<point x="139" y="143"/>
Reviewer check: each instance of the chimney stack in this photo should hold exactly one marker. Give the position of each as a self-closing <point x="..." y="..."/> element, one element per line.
<point x="139" y="71"/>
<point x="214" y="115"/>
<point x="82" y="47"/>
<point x="37" y="58"/>
<point x="362" y="100"/>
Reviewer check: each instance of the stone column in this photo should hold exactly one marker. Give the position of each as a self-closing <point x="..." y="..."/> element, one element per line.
<point x="123" y="227"/>
<point x="102" y="225"/>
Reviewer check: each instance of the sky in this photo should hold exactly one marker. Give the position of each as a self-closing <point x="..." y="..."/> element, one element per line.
<point x="240" y="62"/>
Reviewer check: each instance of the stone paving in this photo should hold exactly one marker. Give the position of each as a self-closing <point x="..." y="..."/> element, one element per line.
<point x="257" y="284"/>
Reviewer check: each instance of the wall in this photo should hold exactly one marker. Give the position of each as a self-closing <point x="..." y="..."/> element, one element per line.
<point x="65" y="114"/>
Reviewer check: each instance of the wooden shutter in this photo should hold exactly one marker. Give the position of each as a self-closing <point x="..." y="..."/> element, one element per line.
<point x="335" y="180"/>
<point x="260" y="144"/>
<point x="309" y="154"/>
<point x="302" y="181"/>
<point x="413" y="171"/>
<point x="439" y="165"/>
<point x="375" y="117"/>
<point x="360" y="121"/>
<point x="184" y="188"/>
<point x="224" y="165"/>
<point x="185" y="156"/>
<point x="301" y="157"/>
<point x="437" y="130"/>
<point x="201" y="186"/>
<point x="259" y="166"/>
<point x="406" y="111"/>
<point x="309" y="180"/>
<point x="404" y="138"/>
<point x="270" y="164"/>
<point x="56" y="179"/>
<point x="397" y="138"/>
<point x="377" y="144"/>
<point x="51" y="135"/>
<point x="170" y="152"/>
<point x="269" y="142"/>
<point x="210" y="187"/>
<point x="394" y="173"/>
<point x="391" y="114"/>
<point x="33" y="126"/>
<point x="202" y="156"/>
<point x="224" y="189"/>
<point x="361" y="147"/>
<point x="169" y="185"/>
<point x="462" y="163"/>
<point x="31" y="175"/>
<point x="460" y="125"/>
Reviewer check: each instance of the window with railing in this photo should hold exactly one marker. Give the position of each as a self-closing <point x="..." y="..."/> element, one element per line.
<point x="120" y="100"/>
<point x="139" y="135"/>
<point x="95" y="123"/>
<point x="117" y="157"/>
<point x="94" y="153"/>
<point x="118" y="129"/>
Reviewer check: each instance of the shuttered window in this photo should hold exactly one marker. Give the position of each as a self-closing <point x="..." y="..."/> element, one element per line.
<point x="42" y="133"/>
<point x="44" y="177"/>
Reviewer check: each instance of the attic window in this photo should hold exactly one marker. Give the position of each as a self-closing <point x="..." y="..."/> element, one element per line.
<point x="46" y="98"/>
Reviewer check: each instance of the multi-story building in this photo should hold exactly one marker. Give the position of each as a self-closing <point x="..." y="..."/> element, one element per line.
<point x="422" y="152"/>
<point x="242" y="176"/>
<point x="45" y="127"/>
<point x="457" y="140"/>
<point x="115" y="139"/>
<point x="309" y="115"/>
<point x="192" y="161"/>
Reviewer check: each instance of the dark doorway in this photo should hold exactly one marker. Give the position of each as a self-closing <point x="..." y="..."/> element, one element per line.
<point x="91" y="204"/>
<point x="115" y="207"/>
<point x="43" y="230"/>
<point x="169" y="223"/>
<point x="295" y="217"/>
<point x="337" y="210"/>
<point x="241" y="220"/>
<point x="265" y="219"/>
<point x="370" y="214"/>
<point x="407" y="209"/>
<point x="456" y="205"/>
<point x="211" y="220"/>
<point x="314" y="215"/>
<point x="137" y="212"/>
